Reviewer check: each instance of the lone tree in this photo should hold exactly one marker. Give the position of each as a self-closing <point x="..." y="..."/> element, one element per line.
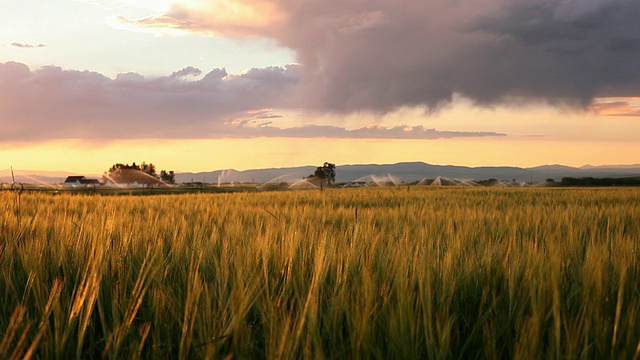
<point x="326" y="173"/>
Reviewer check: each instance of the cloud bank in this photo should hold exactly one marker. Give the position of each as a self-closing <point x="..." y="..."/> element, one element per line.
<point x="384" y="54"/>
<point x="52" y="103"/>
<point x="369" y="132"/>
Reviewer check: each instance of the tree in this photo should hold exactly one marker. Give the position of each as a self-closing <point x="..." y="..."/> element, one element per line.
<point x="168" y="177"/>
<point x="326" y="173"/>
<point x="148" y="168"/>
<point x="142" y="174"/>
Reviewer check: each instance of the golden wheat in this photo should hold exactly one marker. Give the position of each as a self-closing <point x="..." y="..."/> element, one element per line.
<point x="344" y="273"/>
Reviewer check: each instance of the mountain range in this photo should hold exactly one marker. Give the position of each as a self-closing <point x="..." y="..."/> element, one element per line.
<point x="404" y="171"/>
<point x="413" y="171"/>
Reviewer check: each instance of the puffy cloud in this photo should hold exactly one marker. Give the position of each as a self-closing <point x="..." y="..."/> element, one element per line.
<point x="380" y="55"/>
<point x="188" y="71"/>
<point x="54" y="103"/>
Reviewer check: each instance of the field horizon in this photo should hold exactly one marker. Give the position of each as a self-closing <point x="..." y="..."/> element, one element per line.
<point x="405" y="171"/>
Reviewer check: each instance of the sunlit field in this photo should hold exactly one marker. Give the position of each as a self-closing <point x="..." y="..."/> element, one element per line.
<point x="387" y="273"/>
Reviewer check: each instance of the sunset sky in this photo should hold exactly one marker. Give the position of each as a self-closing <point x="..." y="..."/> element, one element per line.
<point x="199" y="85"/>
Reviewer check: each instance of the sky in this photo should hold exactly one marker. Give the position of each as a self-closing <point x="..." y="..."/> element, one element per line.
<point x="200" y="85"/>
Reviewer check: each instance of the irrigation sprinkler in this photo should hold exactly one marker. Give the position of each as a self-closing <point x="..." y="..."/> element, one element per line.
<point x="16" y="186"/>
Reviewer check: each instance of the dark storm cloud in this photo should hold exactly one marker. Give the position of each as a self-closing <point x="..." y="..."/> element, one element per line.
<point x="558" y="51"/>
<point x="420" y="53"/>
<point x="384" y="54"/>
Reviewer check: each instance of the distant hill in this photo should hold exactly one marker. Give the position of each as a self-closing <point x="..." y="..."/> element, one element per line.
<point x="39" y="176"/>
<point x="411" y="171"/>
<point x="404" y="171"/>
<point x="248" y="176"/>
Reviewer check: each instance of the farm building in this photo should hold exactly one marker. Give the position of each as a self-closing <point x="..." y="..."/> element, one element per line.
<point x="81" y="181"/>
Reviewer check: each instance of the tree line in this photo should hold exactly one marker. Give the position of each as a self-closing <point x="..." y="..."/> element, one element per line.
<point x="591" y="181"/>
<point x="142" y="174"/>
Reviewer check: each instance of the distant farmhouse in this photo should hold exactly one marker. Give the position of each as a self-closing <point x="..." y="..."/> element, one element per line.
<point x="81" y="181"/>
<point x="135" y="184"/>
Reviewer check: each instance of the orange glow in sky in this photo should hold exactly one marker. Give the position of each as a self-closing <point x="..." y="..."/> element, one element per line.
<point x="242" y="154"/>
<point x="218" y="17"/>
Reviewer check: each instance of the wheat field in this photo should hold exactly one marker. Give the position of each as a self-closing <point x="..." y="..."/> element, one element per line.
<point x="382" y="273"/>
